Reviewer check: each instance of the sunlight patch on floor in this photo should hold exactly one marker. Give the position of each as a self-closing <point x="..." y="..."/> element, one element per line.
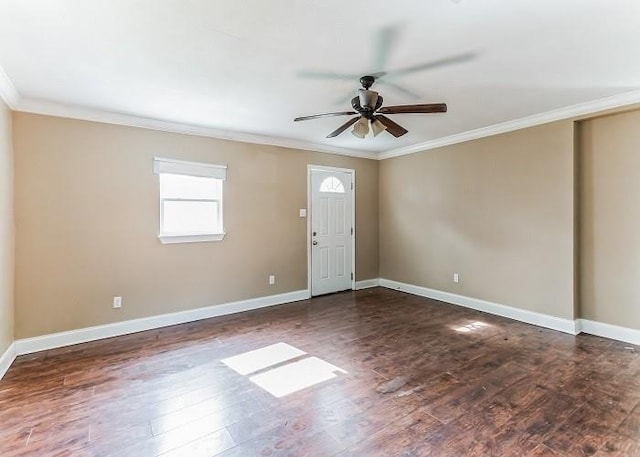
<point x="472" y="327"/>
<point x="268" y="356"/>
<point x="296" y="376"/>
<point x="274" y="369"/>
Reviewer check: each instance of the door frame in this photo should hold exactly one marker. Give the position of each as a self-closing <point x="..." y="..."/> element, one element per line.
<point x="352" y="172"/>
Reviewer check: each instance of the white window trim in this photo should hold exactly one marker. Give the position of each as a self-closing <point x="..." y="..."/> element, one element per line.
<point x="182" y="167"/>
<point x="173" y="239"/>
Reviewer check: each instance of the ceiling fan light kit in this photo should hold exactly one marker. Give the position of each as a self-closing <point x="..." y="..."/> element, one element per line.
<point x="367" y="105"/>
<point x="361" y="128"/>
<point x="377" y="127"/>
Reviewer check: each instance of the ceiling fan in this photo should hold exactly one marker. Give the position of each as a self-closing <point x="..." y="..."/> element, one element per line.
<point x="369" y="110"/>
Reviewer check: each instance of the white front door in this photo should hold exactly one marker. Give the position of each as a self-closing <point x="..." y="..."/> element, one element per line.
<point x="331" y="231"/>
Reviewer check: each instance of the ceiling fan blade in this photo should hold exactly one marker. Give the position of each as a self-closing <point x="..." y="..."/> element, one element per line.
<point x="379" y="74"/>
<point x="327" y="75"/>
<point x="434" y="64"/>
<point x="343" y="127"/>
<point x="318" y="116"/>
<point x="383" y="42"/>
<point x="428" y="108"/>
<point x="398" y="88"/>
<point x="393" y="128"/>
<point x="343" y="100"/>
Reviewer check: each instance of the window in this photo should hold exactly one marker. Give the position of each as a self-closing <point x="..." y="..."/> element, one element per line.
<point x="332" y="184"/>
<point x="190" y="200"/>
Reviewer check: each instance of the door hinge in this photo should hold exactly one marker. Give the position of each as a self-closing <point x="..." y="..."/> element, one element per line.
<point x="351" y="186"/>
<point x="352" y="230"/>
<point x="352" y="276"/>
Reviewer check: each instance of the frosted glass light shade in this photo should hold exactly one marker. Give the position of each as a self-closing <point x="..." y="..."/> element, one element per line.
<point x="361" y="128"/>
<point x="377" y="127"/>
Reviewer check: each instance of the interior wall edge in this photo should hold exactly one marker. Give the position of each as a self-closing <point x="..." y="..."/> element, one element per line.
<point x="7" y="228"/>
<point x="7" y="358"/>
<point x="609" y="220"/>
<point x="8" y="92"/>
<point x="614" y="332"/>
<point x="577" y="205"/>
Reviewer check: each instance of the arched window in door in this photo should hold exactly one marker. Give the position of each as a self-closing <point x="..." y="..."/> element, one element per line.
<point x="332" y="184"/>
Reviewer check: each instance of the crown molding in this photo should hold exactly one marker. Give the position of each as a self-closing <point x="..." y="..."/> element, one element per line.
<point x="13" y="99"/>
<point x="569" y="112"/>
<point x="28" y="105"/>
<point x="8" y="92"/>
<point x="36" y="106"/>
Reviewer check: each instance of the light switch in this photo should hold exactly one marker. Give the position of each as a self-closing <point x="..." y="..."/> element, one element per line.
<point x="303" y="212"/>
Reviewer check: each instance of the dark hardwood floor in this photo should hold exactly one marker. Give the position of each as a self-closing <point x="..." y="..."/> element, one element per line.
<point x="475" y="385"/>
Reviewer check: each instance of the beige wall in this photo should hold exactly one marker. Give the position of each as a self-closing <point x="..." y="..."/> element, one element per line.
<point x="87" y="217"/>
<point x="498" y="211"/>
<point x="6" y="230"/>
<point x="610" y="219"/>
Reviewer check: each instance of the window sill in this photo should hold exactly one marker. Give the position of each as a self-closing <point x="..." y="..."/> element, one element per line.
<point x="172" y="239"/>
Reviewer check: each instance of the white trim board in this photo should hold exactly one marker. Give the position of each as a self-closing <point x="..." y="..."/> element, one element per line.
<point x="577" y="111"/>
<point x="529" y="317"/>
<point x="47" y="108"/>
<point x="56" y="340"/>
<point x="568" y="112"/>
<point x="41" y="343"/>
<point x="615" y="332"/>
<point x="367" y="284"/>
<point x="7" y="359"/>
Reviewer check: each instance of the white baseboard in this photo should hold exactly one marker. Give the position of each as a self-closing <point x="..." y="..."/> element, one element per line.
<point x="367" y="283"/>
<point x="56" y="340"/>
<point x="615" y="332"/>
<point x="83" y="335"/>
<point x="7" y="359"/>
<point x="530" y="317"/>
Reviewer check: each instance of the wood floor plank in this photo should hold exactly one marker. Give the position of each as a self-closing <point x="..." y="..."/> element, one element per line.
<point x="472" y="384"/>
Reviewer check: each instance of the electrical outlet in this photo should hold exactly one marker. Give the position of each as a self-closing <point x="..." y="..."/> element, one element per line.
<point x="272" y="279"/>
<point x="456" y="278"/>
<point x="117" y="302"/>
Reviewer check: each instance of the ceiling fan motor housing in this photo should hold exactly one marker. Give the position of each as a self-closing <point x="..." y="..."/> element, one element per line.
<point x="368" y="99"/>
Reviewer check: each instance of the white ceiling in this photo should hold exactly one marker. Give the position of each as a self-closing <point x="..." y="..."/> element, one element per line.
<point x="240" y="65"/>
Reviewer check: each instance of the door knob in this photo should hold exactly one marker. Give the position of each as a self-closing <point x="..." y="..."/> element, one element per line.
<point x="314" y="242"/>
